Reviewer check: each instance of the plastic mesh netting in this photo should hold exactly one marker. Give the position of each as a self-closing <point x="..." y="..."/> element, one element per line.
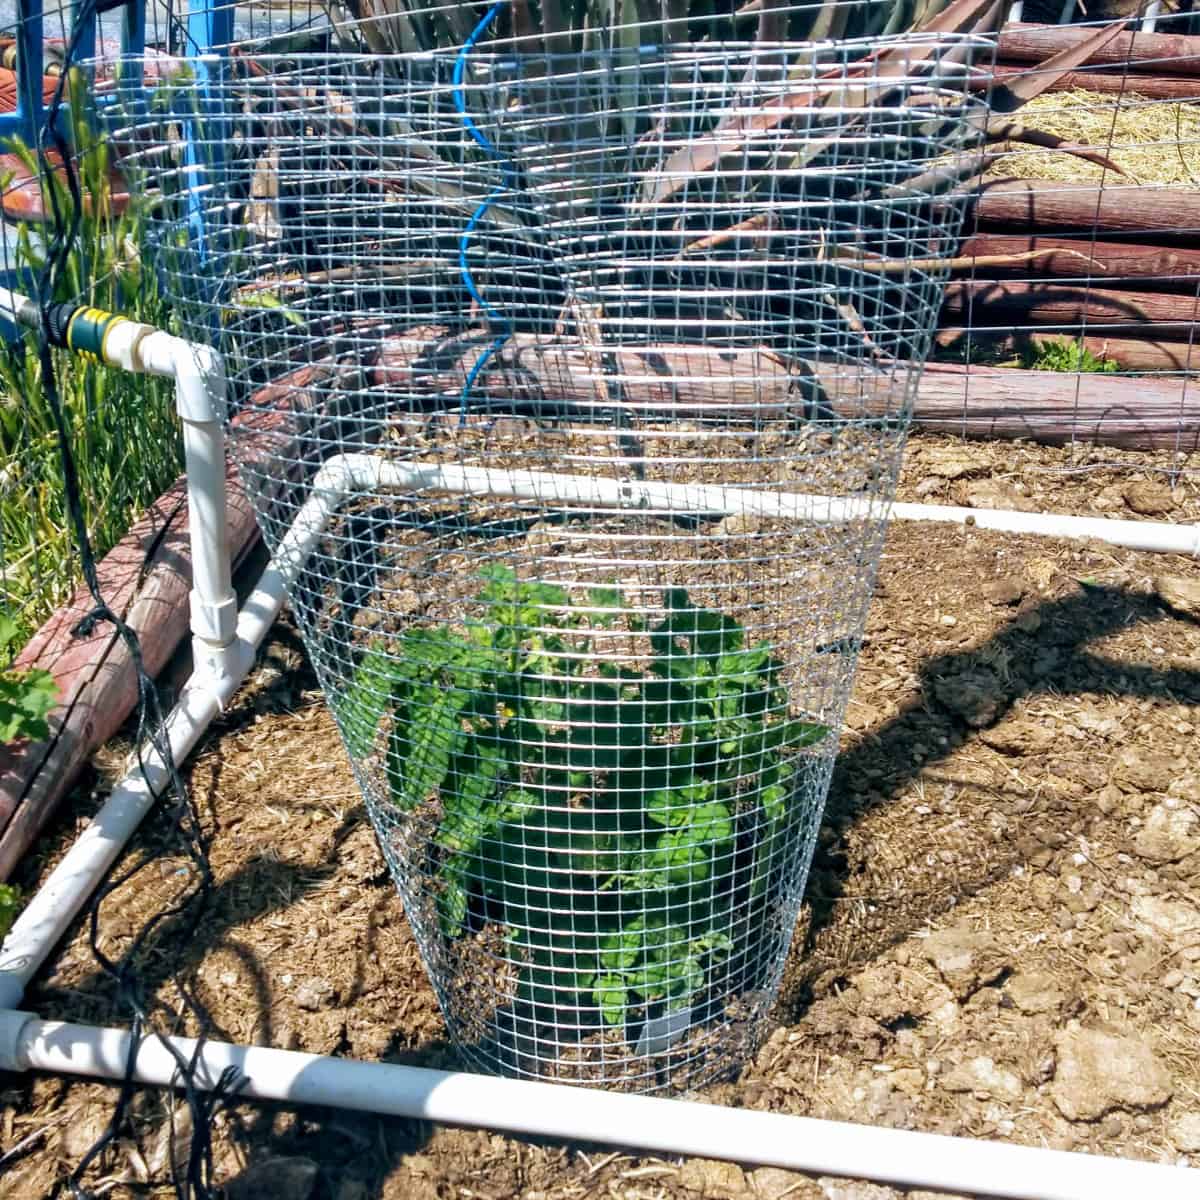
<point x="570" y="387"/>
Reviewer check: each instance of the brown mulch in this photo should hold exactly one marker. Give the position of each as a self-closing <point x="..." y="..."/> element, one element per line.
<point x="1007" y="872"/>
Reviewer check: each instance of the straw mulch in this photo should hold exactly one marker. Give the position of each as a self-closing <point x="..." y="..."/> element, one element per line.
<point x="1152" y="141"/>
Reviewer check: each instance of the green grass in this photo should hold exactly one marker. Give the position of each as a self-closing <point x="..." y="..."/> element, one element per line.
<point x="1068" y="357"/>
<point x="10" y="906"/>
<point x="124" y="431"/>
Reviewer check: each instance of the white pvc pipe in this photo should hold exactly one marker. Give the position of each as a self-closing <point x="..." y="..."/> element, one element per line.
<point x="1151" y="15"/>
<point x="368" y="473"/>
<point x="21" y="309"/>
<point x="213" y="602"/>
<point x="895" y="1156"/>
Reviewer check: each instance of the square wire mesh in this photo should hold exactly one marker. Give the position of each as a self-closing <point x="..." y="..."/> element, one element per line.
<point x="643" y="323"/>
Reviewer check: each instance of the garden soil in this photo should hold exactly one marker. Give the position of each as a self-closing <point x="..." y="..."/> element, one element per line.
<point x="1001" y="937"/>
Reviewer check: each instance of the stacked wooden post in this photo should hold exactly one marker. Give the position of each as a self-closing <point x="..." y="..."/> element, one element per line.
<point x="1115" y="265"/>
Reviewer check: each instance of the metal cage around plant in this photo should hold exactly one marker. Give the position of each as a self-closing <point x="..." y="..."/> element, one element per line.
<point x="570" y="383"/>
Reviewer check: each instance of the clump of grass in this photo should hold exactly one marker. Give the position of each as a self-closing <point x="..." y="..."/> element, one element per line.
<point x="10" y="906"/>
<point x="123" y="427"/>
<point x="1068" y="357"/>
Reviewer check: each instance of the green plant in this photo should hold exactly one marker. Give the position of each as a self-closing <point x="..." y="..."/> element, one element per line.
<point x="124" y="430"/>
<point x="26" y="697"/>
<point x="1069" y="357"/>
<point x="613" y="821"/>
<point x="10" y="904"/>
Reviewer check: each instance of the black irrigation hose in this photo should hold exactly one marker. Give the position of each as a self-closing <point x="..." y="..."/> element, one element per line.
<point x="195" y="1182"/>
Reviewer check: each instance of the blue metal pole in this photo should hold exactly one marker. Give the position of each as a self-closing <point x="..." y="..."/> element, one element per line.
<point x="29" y="115"/>
<point x="209" y="36"/>
<point x="133" y="44"/>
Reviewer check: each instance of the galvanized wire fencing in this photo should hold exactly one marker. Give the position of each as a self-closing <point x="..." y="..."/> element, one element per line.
<point x="571" y="384"/>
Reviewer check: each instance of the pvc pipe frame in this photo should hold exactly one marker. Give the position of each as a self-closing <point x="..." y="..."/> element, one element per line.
<point x="556" y="1110"/>
<point x="348" y="473"/>
<point x="225" y="654"/>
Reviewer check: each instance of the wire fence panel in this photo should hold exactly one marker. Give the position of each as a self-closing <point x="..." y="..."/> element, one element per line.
<point x="571" y="394"/>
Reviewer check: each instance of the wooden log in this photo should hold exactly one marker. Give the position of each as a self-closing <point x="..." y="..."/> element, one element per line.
<point x="1151" y="53"/>
<point x="24" y="199"/>
<point x="1161" y="215"/>
<point x="1176" y="88"/>
<point x="146" y="577"/>
<point x="1130" y="354"/>
<point x="1057" y="408"/>
<point x="1157" y="314"/>
<point x="668" y="383"/>
<point x="1109" y="264"/>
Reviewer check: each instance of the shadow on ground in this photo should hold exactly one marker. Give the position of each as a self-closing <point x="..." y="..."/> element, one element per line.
<point x="1045" y="655"/>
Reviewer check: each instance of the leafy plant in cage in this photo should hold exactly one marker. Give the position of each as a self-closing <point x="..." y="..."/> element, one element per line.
<point x="611" y="819"/>
<point x="600" y="821"/>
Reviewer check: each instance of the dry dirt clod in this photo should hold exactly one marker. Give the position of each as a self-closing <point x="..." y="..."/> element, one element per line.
<point x="739" y="525"/>
<point x="966" y="960"/>
<point x="981" y="1075"/>
<point x="274" y="1179"/>
<point x="973" y="695"/>
<point x="1019" y="737"/>
<point x="712" y="1179"/>
<point x="840" y="1189"/>
<point x="1099" y="1070"/>
<point x="1004" y="592"/>
<point x="1180" y="592"/>
<point x="1138" y="770"/>
<point x="314" y="994"/>
<point x="82" y="1131"/>
<point x="949" y="462"/>
<point x="888" y="993"/>
<point x="992" y="493"/>
<point x="1186" y="787"/>
<point x="1035" y="992"/>
<point x="1184" y="1132"/>
<point x="774" y="1183"/>
<point x="1169" y="834"/>
<point x="1173" y="919"/>
<point x="172" y="1143"/>
<point x="1149" y="499"/>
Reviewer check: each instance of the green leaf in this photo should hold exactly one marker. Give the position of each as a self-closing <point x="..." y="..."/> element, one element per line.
<point x="608" y="601"/>
<point x="620" y="951"/>
<point x="435" y="735"/>
<point x="612" y="998"/>
<point x="268" y="300"/>
<point x="10" y="905"/>
<point x="701" y="630"/>
<point x="466" y="815"/>
<point x="367" y="700"/>
<point x="26" y="698"/>
<point x="452" y="900"/>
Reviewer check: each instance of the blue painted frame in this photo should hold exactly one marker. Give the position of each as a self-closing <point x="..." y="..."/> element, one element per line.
<point x="209" y="33"/>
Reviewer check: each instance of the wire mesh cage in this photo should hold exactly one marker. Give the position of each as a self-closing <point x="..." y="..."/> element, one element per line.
<point x="570" y="381"/>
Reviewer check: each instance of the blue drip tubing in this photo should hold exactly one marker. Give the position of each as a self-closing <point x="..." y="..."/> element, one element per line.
<point x="464" y="242"/>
